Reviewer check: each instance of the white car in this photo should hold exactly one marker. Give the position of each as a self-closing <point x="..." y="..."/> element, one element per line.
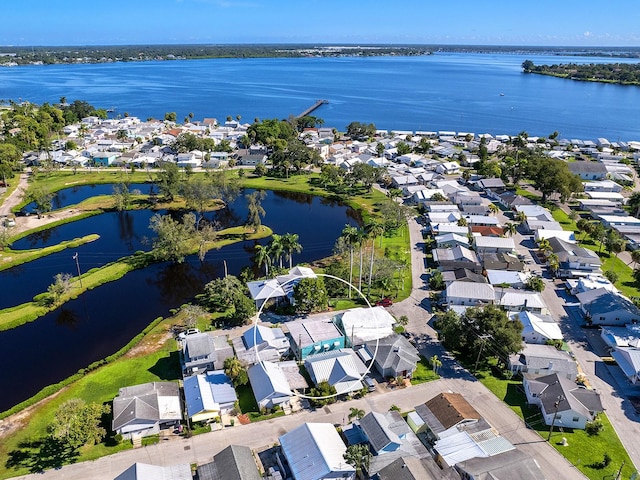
<point x="187" y="332"/>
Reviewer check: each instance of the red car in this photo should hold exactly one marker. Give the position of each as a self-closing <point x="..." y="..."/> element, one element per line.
<point x="385" y="302"/>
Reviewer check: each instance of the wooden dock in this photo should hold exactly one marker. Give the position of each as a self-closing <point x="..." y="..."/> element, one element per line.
<point x="313" y="107"/>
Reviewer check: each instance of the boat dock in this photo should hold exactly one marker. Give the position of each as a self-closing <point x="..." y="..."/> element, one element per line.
<point x="313" y="107"/>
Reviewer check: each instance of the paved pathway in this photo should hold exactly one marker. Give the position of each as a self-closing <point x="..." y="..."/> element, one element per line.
<point x="15" y="197"/>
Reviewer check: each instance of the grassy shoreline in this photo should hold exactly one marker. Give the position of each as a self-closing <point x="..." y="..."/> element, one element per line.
<point x="27" y="312"/>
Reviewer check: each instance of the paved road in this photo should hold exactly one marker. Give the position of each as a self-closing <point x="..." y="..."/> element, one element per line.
<point x="15" y="197"/>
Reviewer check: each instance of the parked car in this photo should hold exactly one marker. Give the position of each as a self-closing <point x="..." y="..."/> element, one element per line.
<point x="187" y="332"/>
<point x="369" y="383"/>
<point x="385" y="302"/>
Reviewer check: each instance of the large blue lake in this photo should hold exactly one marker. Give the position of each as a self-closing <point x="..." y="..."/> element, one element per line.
<point x="444" y="91"/>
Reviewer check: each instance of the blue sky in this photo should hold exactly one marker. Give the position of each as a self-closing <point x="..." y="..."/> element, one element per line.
<point x="488" y="22"/>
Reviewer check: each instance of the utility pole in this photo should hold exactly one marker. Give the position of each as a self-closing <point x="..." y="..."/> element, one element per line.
<point x="555" y="415"/>
<point x="75" y="257"/>
<point x="484" y="339"/>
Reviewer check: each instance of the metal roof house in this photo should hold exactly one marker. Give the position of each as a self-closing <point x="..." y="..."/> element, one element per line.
<point x="269" y="384"/>
<point x="208" y="396"/>
<point x="603" y="307"/>
<point x="315" y="451"/>
<point x="145" y="409"/>
<point x="202" y="352"/>
<point x="342" y="369"/>
<point x="145" y="471"/>
<point x="543" y="360"/>
<point x="309" y="337"/>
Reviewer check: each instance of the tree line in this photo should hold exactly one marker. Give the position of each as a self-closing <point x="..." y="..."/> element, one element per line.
<point x="622" y="73"/>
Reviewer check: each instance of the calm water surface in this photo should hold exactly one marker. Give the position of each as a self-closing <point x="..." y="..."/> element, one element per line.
<point x="444" y="91"/>
<point x="104" y="319"/>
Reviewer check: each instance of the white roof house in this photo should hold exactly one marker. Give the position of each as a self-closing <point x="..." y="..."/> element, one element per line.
<point x="274" y="337"/>
<point x="538" y="328"/>
<point x="315" y="451"/>
<point x="363" y="324"/>
<point x="513" y="300"/>
<point x="145" y="471"/>
<point x="509" y="277"/>
<point x="469" y="294"/>
<point x="494" y="244"/>
<point x="628" y="359"/>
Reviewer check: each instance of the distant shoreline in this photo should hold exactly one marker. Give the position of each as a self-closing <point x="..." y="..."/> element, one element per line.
<point x="55" y="55"/>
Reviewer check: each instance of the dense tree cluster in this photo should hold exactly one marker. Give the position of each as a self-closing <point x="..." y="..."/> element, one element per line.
<point x="624" y="73"/>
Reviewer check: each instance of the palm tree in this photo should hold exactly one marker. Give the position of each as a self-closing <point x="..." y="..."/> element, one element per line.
<point x="585" y="226"/>
<point x="436" y="363"/>
<point x="462" y="222"/>
<point x="553" y="262"/>
<point x="635" y="257"/>
<point x="510" y="229"/>
<point x="493" y="208"/>
<point x="362" y="236"/>
<point x="290" y="244"/>
<point x="276" y="248"/>
<point x="520" y="217"/>
<point x="374" y="229"/>
<point x="544" y="246"/>
<point x="262" y="256"/>
<point x="355" y="413"/>
<point x="350" y="235"/>
<point x="358" y="456"/>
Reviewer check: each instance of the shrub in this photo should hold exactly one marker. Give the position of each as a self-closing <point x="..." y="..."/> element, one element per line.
<point x="594" y="427"/>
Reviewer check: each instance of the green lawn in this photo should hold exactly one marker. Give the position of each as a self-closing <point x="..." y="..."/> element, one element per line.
<point x="583" y="451"/>
<point x="24" y="452"/>
<point x="424" y="372"/>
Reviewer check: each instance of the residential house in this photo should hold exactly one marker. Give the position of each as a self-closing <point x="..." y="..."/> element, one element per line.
<point x="269" y="384"/>
<point x="482" y="221"/>
<point x="444" y="411"/>
<point x="574" y="261"/>
<point x="513" y="300"/>
<point x="490" y="184"/>
<point x="462" y="275"/>
<point x="456" y="257"/>
<point x="278" y="290"/>
<point x="537" y="328"/>
<point x="233" y="463"/>
<point x="361" y="325"/>
<point x="602" y="186"/>
<point x="253" y="159"/>
<point x="494" y="245"/>
<point x="513" y="464"/>
<point x="208" y="395"/>
<point x="461" y="445"/>
<point x="492" y="231"/>
<point x="145" y="471"/>
<point x="412" y="468"/>
<point x="543" y="360"/>
<point x="104" y="159"/>
<point x="468" y="294"/>
<point x="274" y="337"/>
<point x="342" y="369"/>
<point x="502" y="261"/>
<point x="627" y="336"/>
<point x="449" y="240"/>
<point x="315" y="451"/>
<point x="393" y="356"/>
<point x="448" y="168"/>
<point x="390" y="438"/>
<point x="588" y="170"/>
<point x="313" y="336"/>
<point x="604" y="307"/>
<point x="202" y="352"/>
<point x="511" y="278"/>
<point x="628" y="359"/>
<point x="565" y="235"/>
<point x="145" y="409"/>
<point x="562" y="402"/>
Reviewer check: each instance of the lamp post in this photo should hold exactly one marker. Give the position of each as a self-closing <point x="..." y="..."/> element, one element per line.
<point x="75" y="257"/>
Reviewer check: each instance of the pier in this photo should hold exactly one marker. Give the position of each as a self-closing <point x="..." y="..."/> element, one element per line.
<point x="313" y="107"/>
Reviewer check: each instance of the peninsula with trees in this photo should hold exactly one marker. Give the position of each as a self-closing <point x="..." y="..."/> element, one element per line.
<point x="621" y="73"/>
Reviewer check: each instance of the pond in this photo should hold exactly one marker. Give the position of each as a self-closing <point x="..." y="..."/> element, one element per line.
<point x="74" y="195"/>
<point x="103" y="320"/>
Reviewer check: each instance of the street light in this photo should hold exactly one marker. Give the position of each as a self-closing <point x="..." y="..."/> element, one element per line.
<point x="75" y="257"/>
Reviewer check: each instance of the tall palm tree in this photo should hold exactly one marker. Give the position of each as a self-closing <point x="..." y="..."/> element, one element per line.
<point x="520" y="217"/>
<point x="263" y="256"/>
<point x="374" y="230"/>
<point x="290" y="244"/>
<point x="362" y="237"/>
<point x="544" y="246"/>
<point x="585" y="226"/>
<point x="510" y="229"/>
<point x="435" y="362"/>
<point x="493" y="208"/>
<point x="635" y="257"/>
<point x="356" y="413"/>
<point x="350" y="235"/>
<point x="276" y="248"/>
